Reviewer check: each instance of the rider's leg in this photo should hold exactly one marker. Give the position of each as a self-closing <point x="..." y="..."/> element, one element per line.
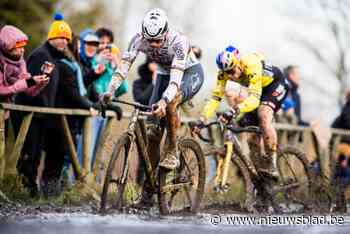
<point x="191" y="83"/>
<point x="254" y="142"/>
<point x="170" y="160"/>
<point x="173" y="122"/>
<point x="266" y="114"/>
<point x="271" y="100"/>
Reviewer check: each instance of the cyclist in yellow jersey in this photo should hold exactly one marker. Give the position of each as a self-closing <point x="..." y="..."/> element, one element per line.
<point x="266" y="88"/>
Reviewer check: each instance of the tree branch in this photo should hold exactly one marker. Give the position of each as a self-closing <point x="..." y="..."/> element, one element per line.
<point x="315" y="51"/>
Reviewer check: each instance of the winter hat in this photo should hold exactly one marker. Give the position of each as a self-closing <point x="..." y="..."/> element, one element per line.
<point x="59" y="28"/>
<point x="12" y="37"/>
<point x="86" y="36"/>
<point x="91" y="38"/>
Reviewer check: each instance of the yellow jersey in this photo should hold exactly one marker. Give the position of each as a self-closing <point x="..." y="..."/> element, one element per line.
<point x="256" y="75"/>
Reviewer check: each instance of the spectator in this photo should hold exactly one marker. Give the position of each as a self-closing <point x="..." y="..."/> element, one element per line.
<point x="71" y="93"/>
<point x="89" y="43"/>
<point x="341" y="178"/>
<point x="287" y="112"/>
<point x="108" y="57"/>
<point x="292" y="74"/>
<point x="343" y="120"/>
<point x="143" y="87"/>
<point x="45" y="131"/>
<point x="106" y="38"/>
<point x="14" y="77"/>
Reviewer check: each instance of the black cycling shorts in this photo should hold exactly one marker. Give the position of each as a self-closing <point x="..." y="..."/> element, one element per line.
<point x="191" y="83"/>
<point x="272" y="95"/>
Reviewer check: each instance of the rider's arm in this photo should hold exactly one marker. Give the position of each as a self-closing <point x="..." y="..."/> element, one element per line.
<point x="217" y="95"/>
<point x="253" y="69"/>
<point x="181" y="49"/>
<point x="127" y="60"/>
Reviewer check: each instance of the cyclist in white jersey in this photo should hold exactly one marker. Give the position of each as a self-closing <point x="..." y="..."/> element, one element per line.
<point x="179" y="78"/>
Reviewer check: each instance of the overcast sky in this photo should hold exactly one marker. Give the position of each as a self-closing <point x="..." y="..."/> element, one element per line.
<point x="255" y="25"/>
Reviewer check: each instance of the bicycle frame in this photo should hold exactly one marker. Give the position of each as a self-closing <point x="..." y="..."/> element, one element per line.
<point x="233" y="148"/>
<point x="137" y="132"/>
<point x="230" y="140"/>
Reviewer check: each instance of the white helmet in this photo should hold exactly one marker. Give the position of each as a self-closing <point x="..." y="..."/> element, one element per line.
<point x="155" y="24"/>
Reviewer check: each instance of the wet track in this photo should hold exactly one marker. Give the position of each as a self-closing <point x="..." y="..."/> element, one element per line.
<point x="82" y="223"/>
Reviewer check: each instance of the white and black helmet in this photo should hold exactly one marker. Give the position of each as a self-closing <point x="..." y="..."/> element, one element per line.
<point x="155" y="24"/>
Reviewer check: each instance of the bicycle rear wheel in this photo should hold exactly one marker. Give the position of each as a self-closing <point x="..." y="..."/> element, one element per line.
<point x="117" y="188"/>
<point x="181" y="190"/>
<point x="295" y="181"/>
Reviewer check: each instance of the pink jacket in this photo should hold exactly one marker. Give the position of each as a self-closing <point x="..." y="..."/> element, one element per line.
<point x="13" y="74"/>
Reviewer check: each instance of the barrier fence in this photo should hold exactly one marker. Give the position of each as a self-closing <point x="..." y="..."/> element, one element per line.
<point x="316" y="146"/>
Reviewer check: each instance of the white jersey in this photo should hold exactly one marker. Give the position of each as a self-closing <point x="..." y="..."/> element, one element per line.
<point x="175" y="53"/>
<point x="173" y="58"/>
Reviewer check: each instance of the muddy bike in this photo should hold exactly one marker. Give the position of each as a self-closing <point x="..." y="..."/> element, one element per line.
<point x="178" y="190"/>
<point x="289" y="194"/>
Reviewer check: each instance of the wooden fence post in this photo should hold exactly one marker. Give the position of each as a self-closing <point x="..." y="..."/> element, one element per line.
<point x="12" y="159"/>
<point x="87" y="134"/>
<point x="99" y="151"/>
<point x="73" y="153"/>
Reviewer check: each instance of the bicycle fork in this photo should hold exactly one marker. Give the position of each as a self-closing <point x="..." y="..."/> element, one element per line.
<point x="223" y="168"/>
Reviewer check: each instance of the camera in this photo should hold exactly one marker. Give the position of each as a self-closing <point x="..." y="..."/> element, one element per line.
<point x="47" y="68"/>
<point x="109" y="47"/>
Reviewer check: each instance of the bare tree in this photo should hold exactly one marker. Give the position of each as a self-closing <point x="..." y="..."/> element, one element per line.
<point x="123" y="9"/>
<point x="120" y="16"/>
<point x="336" y="20"/>
<point x="184" y="11"/>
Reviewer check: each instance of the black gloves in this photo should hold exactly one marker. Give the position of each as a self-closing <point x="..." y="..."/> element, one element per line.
<point x="102" y="108"/>
<point x="117" y="110"/>
<point x="230" y="114"/>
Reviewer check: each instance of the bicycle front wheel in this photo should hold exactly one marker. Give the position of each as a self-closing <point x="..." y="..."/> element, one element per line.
<point x="181" y="190"/>
<point x="116" y="189"/>
<point x="295" y="178"/>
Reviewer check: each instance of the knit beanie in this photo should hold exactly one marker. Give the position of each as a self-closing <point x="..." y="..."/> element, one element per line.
<point x="59" y="28"/>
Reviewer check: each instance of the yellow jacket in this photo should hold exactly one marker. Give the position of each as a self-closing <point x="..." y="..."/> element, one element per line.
<point x="256" y="75"/>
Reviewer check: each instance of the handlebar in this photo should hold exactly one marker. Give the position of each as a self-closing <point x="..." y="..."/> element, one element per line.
<point x="251" y="129"/>
<point x="199" y="134"/>
<point x="138" y="106"/>
<point x="230" y="127"/>
<point x="134" y="104"/>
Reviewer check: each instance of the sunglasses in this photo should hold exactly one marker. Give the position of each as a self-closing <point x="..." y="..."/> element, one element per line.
<point x="20" y="44"/>
<point x="157" y="41"/>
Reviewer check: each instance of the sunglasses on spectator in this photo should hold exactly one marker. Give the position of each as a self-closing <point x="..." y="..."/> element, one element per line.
<point x="20" y="44"/>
